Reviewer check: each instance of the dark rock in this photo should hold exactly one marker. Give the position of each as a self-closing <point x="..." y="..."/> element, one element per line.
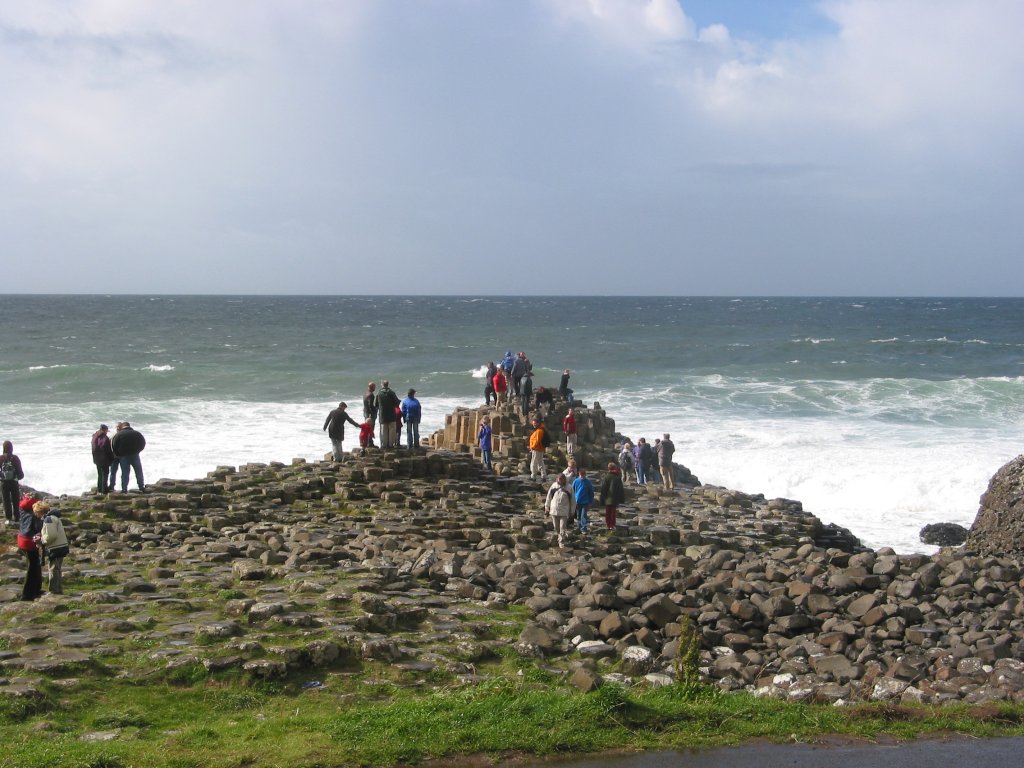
<point x="944" y="534"/>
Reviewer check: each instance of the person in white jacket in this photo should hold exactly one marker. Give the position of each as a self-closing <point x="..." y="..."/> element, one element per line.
<point x="559" y="504"/>
<point x="55" y="544"/>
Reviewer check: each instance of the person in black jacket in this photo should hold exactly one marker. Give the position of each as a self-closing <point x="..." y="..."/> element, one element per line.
<point x="612" y="494"/>
<point x="10" y="475"/>
<point x="103" y="458"/>
<point x="335" y="427"/>
<point x="388" y="411"/>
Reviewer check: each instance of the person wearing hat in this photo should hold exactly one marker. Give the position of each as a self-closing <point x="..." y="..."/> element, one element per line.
<point x="411" y="412"/>
<point x="335" y="427"/>
<point x="103" y="458"/>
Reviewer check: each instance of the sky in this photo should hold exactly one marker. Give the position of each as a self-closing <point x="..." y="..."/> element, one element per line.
<point x="596" y="147"/>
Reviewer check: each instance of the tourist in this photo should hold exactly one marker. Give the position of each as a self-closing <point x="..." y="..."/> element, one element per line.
<point x="519" y="369"/>
<point x="559" y="504"/>
<point x="335" y="427"/>
<point x="569" y="428"/>
<point x="527" y="394"/>
<point x="127" y="444"/>
<point x="583" y="490"/>
<point x="365" y="437"/>
<point x="10" y="475"/>
<point x="370" y="404"/>
<point x="612" y="494"/>
<point x="102" y="457"/>
<point x="539" y="441"/>
<point x="29" y="527"/>
<point x="571" y="471"/>
<point x="507" y="361"/>
<point x="55" y="544"/>
<point x="666" y="449"/>
<point x="500" y="383"/>
<point x="544" y="401"/>
<point x="489" y="383"/>
<point x="652" y="463"/>
<point x="484" y="436"/>
<point x="563" y="387"/>
<point x="626" y="460"/>
<point x="411" y="412"/>
<point x="640" y="460"/>
<point x="388" y="406"/>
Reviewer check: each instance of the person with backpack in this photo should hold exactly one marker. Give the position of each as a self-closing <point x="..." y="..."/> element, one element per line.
<point x="55" y="544"/>
<point x="539" y="442"/>
<point x="127" y="444"/>
<point x="626" y="460"/>
<point x="10" y="475"/>
<point x="389" y="408"/>
<point x="558" y="504"/>
<point x="612" y="494"/>
<point x="29" y="535"/>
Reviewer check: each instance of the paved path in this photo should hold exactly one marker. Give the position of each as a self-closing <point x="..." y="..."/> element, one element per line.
<point x="924" y="753"/>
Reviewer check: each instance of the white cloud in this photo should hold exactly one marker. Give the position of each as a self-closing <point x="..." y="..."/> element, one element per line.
<point x="634" y="24"/>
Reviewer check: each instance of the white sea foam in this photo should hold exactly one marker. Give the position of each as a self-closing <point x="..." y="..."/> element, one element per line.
<point x="159" y="368"/>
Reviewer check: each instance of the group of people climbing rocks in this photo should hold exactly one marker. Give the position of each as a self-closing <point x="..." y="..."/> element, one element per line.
<point x="571" y="494"/>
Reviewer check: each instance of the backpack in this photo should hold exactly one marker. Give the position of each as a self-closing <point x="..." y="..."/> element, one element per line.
<point x="7" y="470"/>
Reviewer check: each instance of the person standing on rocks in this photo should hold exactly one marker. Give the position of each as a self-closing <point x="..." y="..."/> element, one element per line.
<point x="559" y="504"/>
<point x="370" y="404"/>
<point x="626" y="460"/>
<point x="489" y="383"/>
<point x="500" y="384"/>
<point x="388" y="408"/>
<point x="55" y="544"/>
<point x="411" y="412"/>
<point x="583" y="490"/>
<point x="563" y="387"/>
<point x="102" y="457"/>
<point x="539" y="441"/>
<point x="335" y="427"/>
<point x="666" y="449"/>
<point x="527" y="393"/>
<point x="519" y="369"/>
<point x="127" y="445"/>
<point x="29" y="528"/>
<point x="11" y="474"/>
<point x="569" y="428"/>
<point x="612" y="494"/>
<point x="484" y="436"/>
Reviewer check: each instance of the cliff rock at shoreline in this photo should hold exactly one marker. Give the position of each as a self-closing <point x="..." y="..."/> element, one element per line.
<point x="998" y="528"/>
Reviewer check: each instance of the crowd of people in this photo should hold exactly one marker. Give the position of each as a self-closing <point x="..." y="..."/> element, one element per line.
<point x="381" y="407"/>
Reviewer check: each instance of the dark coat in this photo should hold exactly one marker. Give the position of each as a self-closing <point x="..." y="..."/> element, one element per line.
<point x="335" y="424"/>
<point x="612" y="491"/>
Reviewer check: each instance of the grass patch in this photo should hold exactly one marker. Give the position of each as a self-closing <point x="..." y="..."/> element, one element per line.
<point x="228" y="721"/>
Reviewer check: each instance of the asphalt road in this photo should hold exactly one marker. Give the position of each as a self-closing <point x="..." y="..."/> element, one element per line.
<point x="923" y="753"/>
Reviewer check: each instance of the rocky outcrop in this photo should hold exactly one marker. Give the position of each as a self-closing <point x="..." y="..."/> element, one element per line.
<point x="943" y="534"/>
<point x="998" y="528"/>
<point x="427" y="563"/>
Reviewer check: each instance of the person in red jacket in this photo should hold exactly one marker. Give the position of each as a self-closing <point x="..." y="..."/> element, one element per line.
<point x="569" y="427"/>
<point x="500" y="386"/>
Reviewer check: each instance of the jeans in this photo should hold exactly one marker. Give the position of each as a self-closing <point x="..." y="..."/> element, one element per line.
<point x="112" y="481"/>
<point x="131" y="462"/>
<point x="55" y="585"/>
<point x="486" y="458"/>
<point x="412" y="434"/>
<point x="582" y="520"/>
<point x="641" y="476"/>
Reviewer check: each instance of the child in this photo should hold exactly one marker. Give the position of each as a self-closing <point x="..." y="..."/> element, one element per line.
<point x="584" y="492"/>
<point x="365" y="436"/>
<point x="55" y="543"/>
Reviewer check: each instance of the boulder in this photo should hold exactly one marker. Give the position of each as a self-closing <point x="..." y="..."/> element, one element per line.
<point x="998" y="528"/>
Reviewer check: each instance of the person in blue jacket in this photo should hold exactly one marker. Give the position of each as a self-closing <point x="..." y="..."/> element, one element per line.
<point x="484" y="436"/>
<point x="583" y="489"/>
<point x="411" y="412"/>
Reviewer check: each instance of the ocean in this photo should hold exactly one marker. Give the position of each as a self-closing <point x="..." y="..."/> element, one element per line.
<point x="879" y="414"/>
